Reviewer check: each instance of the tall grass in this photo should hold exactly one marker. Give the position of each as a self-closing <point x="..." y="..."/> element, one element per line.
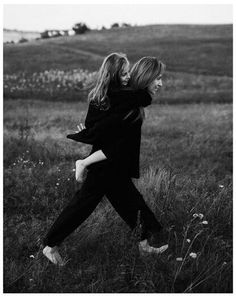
<point x="74" y="85"/>
<point x="186" y="180"/>
<point x="49" y="85"/>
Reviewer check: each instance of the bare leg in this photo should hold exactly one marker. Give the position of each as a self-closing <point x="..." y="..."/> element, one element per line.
<point x="79" y="208"/>
<point x="129" y="203"/>
<point x="82" y="164"/>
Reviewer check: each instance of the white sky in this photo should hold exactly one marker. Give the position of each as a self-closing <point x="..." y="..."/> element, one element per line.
<point x="38" y="17"/>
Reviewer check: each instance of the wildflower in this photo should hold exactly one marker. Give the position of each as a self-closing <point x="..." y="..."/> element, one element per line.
<point x="200" y="215"/>
<point x="179" y="259"/>
<point x="31" y="256"/>
<point x="188" y="240"/>
<point x="221" y="185"/>
<point x="68" y="179"/>
<point x="205" y="222"/>
<point x="57" y="183"/>
<point x="193" y="255"/>
<point x="73" y="170"/>
<point x="31" y="279"/>
<point x="224" y="263"/>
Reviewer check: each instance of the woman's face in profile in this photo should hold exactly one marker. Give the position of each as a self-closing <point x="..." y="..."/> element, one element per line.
<point x="125" y="76"/>
<point x="155" y="85"/>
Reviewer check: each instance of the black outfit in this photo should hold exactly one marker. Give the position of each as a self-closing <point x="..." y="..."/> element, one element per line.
<point x="119" y="139"/>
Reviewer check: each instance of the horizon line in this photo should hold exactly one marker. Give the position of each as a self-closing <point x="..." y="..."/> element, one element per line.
<point x="160" y="24"/>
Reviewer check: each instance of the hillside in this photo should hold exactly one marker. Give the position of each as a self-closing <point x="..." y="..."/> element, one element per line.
<point x="199" y="49"/>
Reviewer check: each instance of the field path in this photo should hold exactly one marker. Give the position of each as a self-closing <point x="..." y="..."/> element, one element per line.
<point x="76" y="51"/>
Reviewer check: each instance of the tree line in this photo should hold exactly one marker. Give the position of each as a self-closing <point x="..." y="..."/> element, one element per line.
<point x="79" y="28"/>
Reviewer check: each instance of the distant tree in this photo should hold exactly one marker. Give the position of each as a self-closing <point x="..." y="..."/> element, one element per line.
<point x="23" y="40"/>
<point x="80" y="28"/>
<point x="45" y="34"/>
<point x="103" y="28"/>
<point x="124" y="25"/>
<point x="115" y="25"/>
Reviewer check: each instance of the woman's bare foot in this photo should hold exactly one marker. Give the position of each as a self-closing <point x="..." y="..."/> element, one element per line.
<point x="146" y="249"/>
<point x="79" y="170"/>
<point x="53" y="255"/>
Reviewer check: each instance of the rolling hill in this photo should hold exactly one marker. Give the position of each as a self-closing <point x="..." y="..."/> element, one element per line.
<point x="198" y="49"/>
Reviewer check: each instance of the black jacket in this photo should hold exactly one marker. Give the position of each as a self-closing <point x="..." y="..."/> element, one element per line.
<point x="117" y="131"/>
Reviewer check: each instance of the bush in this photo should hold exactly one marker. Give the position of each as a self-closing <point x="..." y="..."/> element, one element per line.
<point x="80" y="28"/>
<point x="23" y="40"/>
<point x="124" y="25"/>
<point x="45" y="34"/>
<point x="115" y="25"/>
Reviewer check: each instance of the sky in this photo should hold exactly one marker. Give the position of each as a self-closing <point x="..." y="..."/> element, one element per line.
<point x="39" y="17"/>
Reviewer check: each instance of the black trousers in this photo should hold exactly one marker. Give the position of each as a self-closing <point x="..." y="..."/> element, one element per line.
<point x="120" y="191"/>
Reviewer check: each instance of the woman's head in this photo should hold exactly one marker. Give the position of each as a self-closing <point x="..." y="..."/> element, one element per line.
<point x="114" y="73"/>
<point x="147" y="73"/>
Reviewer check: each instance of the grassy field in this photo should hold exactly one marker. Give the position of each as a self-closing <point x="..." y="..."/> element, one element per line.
<point x="186" y="165"/>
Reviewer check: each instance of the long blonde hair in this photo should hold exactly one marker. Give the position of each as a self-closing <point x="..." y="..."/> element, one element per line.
<point x="143" y="73"/>
<point x="108" y="77"/>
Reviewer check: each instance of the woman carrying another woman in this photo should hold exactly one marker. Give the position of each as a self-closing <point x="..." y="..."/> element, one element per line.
<point x="113" y="127"/>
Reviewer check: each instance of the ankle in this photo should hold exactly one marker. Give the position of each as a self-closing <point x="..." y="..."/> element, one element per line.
<point x="143" y="243"/>
<point x="51" y="248"/>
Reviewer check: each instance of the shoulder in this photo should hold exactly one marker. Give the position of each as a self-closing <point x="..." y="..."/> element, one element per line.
<point x="140" y="94"/>
<point x="127" y="91"/>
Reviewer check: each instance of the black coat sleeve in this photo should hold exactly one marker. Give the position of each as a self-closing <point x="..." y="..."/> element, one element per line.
<point x="128" y="99"/>
<point x="108" y="129"/>
<point x="94" y="115"/>
<point x="112" y="124"/>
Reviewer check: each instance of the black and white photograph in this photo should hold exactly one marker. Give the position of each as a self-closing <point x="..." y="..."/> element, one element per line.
<point x="117" y="147"/>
